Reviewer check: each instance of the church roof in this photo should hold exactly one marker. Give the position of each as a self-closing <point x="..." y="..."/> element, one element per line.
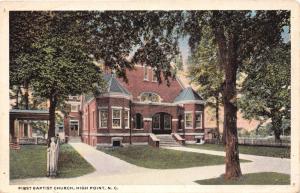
<point x="114" y="86"/>
<point x="188" y="95"/>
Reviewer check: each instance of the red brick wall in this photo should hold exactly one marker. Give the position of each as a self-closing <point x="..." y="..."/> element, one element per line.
<point x="126" y="139"/>
<point x="149" y="110"/>
<point x="137" y="85"/>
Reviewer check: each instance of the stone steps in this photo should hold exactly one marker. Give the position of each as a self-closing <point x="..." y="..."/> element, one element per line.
<point x="167" y="141"/>
<point x="14" y="146"/>
<point x="75" y="139"/>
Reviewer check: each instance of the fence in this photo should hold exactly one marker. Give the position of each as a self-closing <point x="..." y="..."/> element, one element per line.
<point x="267" y="141"/>
<point x="52" y="157"/>
<point x="31" y="141"/>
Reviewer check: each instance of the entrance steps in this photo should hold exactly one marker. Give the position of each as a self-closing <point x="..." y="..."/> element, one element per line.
<point x="73" y="139"/>
<point x="15" y="146"/>
<point x="167" y="141"/>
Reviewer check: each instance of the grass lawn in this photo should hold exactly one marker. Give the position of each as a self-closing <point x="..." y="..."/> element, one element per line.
<point x="157" y="158"/>
<point x="283" y="152"/>
<point x="71" y="164"/>
<point x="28" y="162"/>
<point x="31" y="161"/>
<point x="263" y="178"/>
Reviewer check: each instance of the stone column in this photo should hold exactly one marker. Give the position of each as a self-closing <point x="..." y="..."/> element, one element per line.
<point x="174" y="125"/>
<point x="147" y="124"/>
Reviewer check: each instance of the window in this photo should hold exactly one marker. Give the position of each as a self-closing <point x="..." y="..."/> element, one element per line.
<point x="146" y="73"/>
<point x="138" y="121"/>
<point x="126" y="118"/>
<point x="150" y="97"/>
<point x="198" y="119"/>
<point x="156" y="121"/>
<point x="116" y="118"/>
<point x="167" y="122"/>
<point x="103" y="118"/>
<point x="74" y="108"/>
<point x="154" y="77"/>
<point x="188" y="120"/>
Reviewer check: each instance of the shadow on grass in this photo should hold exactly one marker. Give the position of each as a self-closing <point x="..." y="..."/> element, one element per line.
<point x="31" y="161"/>
<point x="282" y="152"/>
<point x="157" y="158"/>
<point x="263" y="178"/>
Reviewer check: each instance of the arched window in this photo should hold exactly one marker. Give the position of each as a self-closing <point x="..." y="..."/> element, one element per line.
<point x="150" y="97"/>
<point x="138" y="121"/>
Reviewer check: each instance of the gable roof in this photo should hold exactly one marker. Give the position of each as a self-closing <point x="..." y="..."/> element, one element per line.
<point x="114" y="86"/>
<point x="188" y="95"/>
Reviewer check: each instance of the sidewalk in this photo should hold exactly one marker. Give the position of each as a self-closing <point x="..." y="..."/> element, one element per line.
<point x="259" y="163"/>
<point x="111" y="170"/>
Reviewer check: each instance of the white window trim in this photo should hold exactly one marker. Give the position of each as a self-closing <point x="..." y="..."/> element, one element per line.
<point x="154" y="75"/>
<point x="170" y="122"/>
<point x="146" y="102"/>
<point x="146" y="70"/>
<point x="128" y="117"/>
<point x="100" y="120"/>
<point x="185" y="113"/>
<point x="116" y="107"/>
<point x="112" y="117"/>
<point x="201" y="113"/>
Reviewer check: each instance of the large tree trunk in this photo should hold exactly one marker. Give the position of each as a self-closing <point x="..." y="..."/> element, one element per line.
<point x="52" y="107"/>
<point x="217" y="119"/>
<point x="26" y="95"/>
<point x="224" y="133"/>
<point x="227" y="51"/>
<point x="232" y="160"/>
<point x="17" y="97"/>
<point x="276" y="126"/>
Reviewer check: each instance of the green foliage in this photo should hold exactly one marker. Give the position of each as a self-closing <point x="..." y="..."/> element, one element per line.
<point x="266" y="88"/>
<point x="40" y="126"/>
<point x="71" y="164"/>
<point x="205" y="71"/>
<point x="178" y="62"/>
<point x="204" y="67"/>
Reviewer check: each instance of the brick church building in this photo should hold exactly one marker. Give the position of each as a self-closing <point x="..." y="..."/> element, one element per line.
<point x="137" y="112"/>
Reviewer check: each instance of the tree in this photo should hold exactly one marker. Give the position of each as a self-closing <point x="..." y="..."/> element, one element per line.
<point x="239" y="36"/>
<point x="205" y="71"/>
<point x="266" y="90"/>
<point x="55" y="63"/>
<point x="121" y="39"/>
<point x="54" y="51"/>
<point x="60" y="68"/>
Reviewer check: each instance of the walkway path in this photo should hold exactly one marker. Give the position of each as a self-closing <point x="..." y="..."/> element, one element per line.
<point x="111" y="170"/>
